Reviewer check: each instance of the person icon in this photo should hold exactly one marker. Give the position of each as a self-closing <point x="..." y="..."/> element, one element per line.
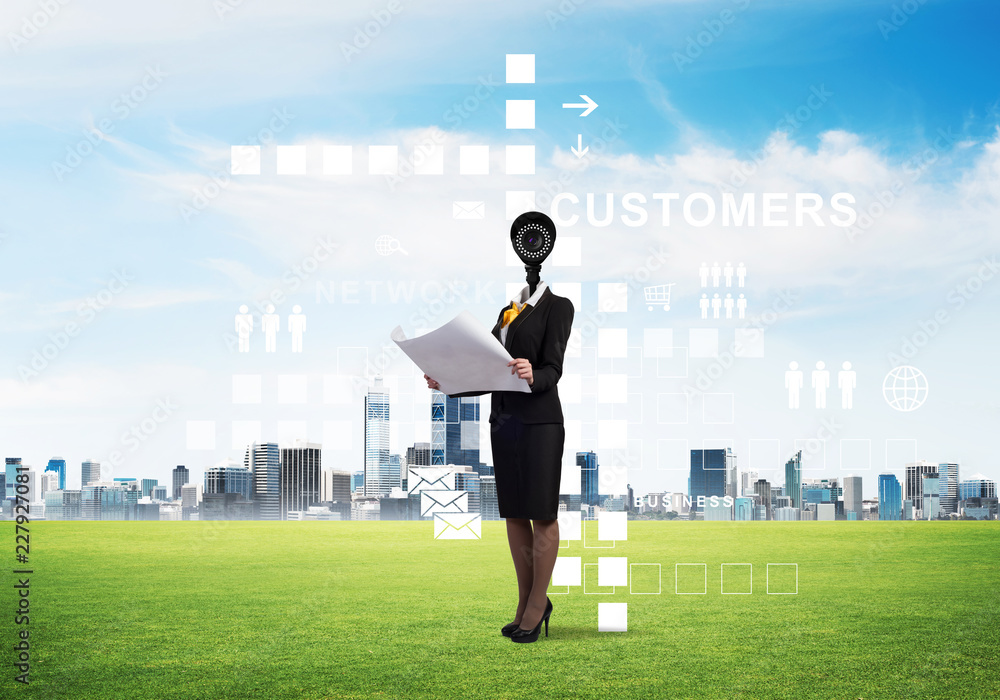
<point x="741" y="307"/>
<point x="703" y="274"/>
<point x="716" y="305"/>
<point x="244" y="327"/>
<point x="793" y="382"/>
<point x="703" y="304"/>
<point x="741" y="275"/>
<point x="728" y="273"/>
<point x="270" y="323"/>
<point x="729" y="303"/>
<point x="847" y="382"/>
<point x="821" y="382"/>
<point x="297" y="326"/>
<point x="716" y="272"/>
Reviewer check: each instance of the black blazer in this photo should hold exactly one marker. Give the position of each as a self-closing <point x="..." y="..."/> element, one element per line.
<point x="539" y="334"/>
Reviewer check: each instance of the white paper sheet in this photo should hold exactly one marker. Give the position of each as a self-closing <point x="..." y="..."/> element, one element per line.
<point x="462" y="355"/>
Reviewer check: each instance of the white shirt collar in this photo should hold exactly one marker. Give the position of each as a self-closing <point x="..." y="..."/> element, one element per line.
<point x="522" y="296"/>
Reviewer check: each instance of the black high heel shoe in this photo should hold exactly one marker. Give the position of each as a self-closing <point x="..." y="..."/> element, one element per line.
<point x="508" y="628"/>
<point x="525" y="636"/>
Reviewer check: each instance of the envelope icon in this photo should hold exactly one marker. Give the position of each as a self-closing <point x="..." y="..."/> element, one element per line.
<point x="420" y="478"/>
<point x="443" y="502"/>
<point x="458" y="526"/>
<point x="468" y="210"/>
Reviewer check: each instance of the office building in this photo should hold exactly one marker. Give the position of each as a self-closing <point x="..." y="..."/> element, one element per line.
<point x="147" y="488"/>
<point x="336" y="486"/>
<point x="912" y="483"/>
<point x="191" y="495"/>
<point x="358" y="482"/>
<point x="58" y="465"/>
<point x="748" y="481"/>
<point x="930" y="490"/>
<point x="744" y="508"/>
<point x="977" y="486"/>
<point x="890" y="497"/>
<point x="229" y="479"/>
<point x="762" y="490"/>
<point x="852" y="497"/>
<point x="793" y="479"/>
<point x="948" y="485"/>
<point x="418" y="455"/>
<point x="712" y="474"/>
<point x="49" y="482"/>
<point x="378" y="481"/>
<point x="455" y="430"/>
<point x="105" y="500"/>
<point x="223" y="505"/>
<point x="907" y="509"/>
<point x="468" y="481"/>
<point x="10" y="476"/>
<point x="301" y="467"/>
<point x="160" y="492"/>
<point x="787" y="513"/>
<point x="587" y="461"/>
<point x="264" y="462"/>
<point x="90" y="472"/>
<point x="181" y="476"/>
<point x="488" y="507"/>
<point x="63" y="504"/>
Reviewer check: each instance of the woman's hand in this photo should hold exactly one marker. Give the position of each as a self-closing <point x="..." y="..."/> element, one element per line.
<point x="431" y="384"/>
<point x="523" y="369"/>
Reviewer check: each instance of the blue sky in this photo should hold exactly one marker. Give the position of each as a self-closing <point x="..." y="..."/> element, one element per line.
<point x="689" y="125"/>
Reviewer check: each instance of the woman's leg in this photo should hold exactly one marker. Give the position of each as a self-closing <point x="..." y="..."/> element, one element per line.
<point x="545" y="551"/>
<point x="519" y="537"/>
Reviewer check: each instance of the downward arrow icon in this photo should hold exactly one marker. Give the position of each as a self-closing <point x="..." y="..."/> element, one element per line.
<point x="579" y="151"/>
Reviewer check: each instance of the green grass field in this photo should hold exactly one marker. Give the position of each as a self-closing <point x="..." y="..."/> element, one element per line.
<point x="381" y="610"/>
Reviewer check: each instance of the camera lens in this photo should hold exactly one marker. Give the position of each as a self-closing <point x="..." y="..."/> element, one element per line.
<point x="532" y="242"/>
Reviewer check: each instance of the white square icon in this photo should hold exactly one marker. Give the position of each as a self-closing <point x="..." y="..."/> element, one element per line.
<point x="383" y="160"/>
<point x="520" y="114"/>
<point x="520" y="160"/>
<point x="338" y="160"/>
<point x="612" y="617"/>
<point x="520" y="68"/>
<point x="567" y="571"/>
<point x="474" y="160"/>
<point x="612" y="571"/>
<point x="291" y="160"/>
<point x="612" y="525"/>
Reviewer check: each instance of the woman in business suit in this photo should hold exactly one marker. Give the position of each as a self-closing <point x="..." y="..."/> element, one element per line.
<point x="527" y="437"/>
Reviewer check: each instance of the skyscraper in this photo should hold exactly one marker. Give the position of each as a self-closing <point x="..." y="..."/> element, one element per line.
<point x="301" y="467"/>
<point x="58" y="465"/>
<point x="587" y="461"/>
<point x="488" y="498"/>
<point x="763" y="491"/>
<point x="147" y="487"/>
<point x="419" y="455"/>
<point x="336" y="486"/>
<point x="455" y="430"/>
<point x="977" y="486"/>
<point x="852" y="496"/>
<point x="10" y="476"/>
<point x="890" y="497"/>
<point x="377" y="476"/>
<point x="931" y="496"/>
<point x="912" y="486"/>
<point x="793" y="479"/>
<point x="181" y="476"/>
<point x="229" y="479"/>
<point x="264" y="462"/>
<point x="948" y="474"/>
<point x="712" y="474"/>
<point x="90" y="471"/>
<point x="469" y="481"/>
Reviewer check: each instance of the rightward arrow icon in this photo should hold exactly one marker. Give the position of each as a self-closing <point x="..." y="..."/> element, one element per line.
<point x="588" y="105"/>
<point x="579" y="151"/>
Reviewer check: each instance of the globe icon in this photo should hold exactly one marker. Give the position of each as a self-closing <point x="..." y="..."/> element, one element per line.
<point x="383" y="245"/>
<point x="905" y="388"/>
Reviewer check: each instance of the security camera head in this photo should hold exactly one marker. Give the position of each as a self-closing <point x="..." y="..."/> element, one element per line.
<point x="533" y="235"/>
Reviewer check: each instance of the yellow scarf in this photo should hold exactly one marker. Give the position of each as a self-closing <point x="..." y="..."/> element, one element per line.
<point x="510" y="314"/>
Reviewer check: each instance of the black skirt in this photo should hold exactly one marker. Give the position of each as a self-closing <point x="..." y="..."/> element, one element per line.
<point x="527" y="461"/>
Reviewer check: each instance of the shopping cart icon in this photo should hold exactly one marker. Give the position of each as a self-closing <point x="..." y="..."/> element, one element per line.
<point x="658" y="295"/>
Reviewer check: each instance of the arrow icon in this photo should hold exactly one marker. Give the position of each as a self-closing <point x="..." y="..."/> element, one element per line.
<point x="579" y="151"/>
<point x="588" y="105"/>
